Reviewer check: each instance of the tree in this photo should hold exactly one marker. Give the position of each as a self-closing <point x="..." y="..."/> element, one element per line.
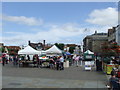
<point x="106" y="50"/>
<point x="60" y="45"/>
<point x="2" y="49"/>
<point x="71" y="49"/>
<point x="57" y="45"/>
<point x="109" y="49"/>
<point x="116" y="48"/>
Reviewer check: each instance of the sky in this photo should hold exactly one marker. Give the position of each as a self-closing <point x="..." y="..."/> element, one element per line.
<point x="55" y="22"/>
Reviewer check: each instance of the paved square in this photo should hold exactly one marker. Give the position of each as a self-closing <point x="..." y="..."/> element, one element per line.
<point x="72" y="77"/>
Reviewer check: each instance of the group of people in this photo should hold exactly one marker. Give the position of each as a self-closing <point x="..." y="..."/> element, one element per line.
<point x="76" y="59"/>
<point x="54" y="62"/>
<point x="5" y="59"/>
<point x="57" y="61"/>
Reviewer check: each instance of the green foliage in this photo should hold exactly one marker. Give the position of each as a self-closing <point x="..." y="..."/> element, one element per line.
<point x="60" y="45"/>
<point x="2" y="49"/>
<point x="109" y="50"/>
<point x="71" y="49"/>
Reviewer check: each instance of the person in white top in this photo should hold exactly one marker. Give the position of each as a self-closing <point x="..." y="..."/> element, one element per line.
<point x="73" y="59"/>
<point x="62" y="62"/>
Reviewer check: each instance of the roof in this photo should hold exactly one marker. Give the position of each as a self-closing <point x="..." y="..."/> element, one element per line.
<point x="54" y="49"/>
<point x="12" y="50"/>
<point x="28" y="50"/>
<point x="88" y="52"/>
<point x="99" y="34"/>
<point x="35" y="45"/>
<point x="13" y="47"/>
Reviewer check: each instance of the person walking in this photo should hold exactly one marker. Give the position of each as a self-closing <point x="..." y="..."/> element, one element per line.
<point x="38" y="61"/>
<point x="14" y="60"/>
<point x="3" y="59"/>
<point x="52" y="63"/>
<point x="62" y="62"/>
<point x="17" y="60"/>
<point x="77" y="60"/>
<point x="81" y="59"/>
<point x="28" y="57"/>
<point x="73" y="59"/>
<point x="98" y="65"/>
<point x="58" y="64"/>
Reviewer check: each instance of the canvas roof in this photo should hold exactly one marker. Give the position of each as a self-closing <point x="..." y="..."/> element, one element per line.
<point x="54" y="49"/>
<point x="28" y="50"/>
<point x="88" y="52"/>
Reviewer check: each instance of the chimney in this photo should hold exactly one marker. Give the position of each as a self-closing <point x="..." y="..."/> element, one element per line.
<point x="29" y="42"/>
<point x="95" y="32"/>
<point x="43" y="44"/>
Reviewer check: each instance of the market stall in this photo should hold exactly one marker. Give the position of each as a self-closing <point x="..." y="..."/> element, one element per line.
<point x="55" y="51"/>
<point x="43" y="61"/>
<point x="89" y="59"/>
<point x="26" y="56"/>
<point x="108" y="65"/>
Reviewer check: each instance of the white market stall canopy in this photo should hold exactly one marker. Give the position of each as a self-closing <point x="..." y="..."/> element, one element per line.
<point x="54" y="50"/>
<point x="88" y="52"/>
<point x="29" y="50"/>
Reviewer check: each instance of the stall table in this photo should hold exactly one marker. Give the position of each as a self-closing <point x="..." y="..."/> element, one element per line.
<point x="26" y="63"/>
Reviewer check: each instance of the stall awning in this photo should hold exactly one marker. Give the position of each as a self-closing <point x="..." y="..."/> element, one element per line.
<point x="88" y="52"/>
<point x="29" y="50"/>
<point x="54" y="50"/>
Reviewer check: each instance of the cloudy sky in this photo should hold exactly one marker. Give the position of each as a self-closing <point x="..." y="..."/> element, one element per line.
<point x="54" y="22"/>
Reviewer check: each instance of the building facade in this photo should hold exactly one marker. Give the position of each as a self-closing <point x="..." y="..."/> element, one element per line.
<point x="112" y="35"/>
<point x="118" y="35"/>
<point x="87" y="43"/>
<point x="94" y="42"/>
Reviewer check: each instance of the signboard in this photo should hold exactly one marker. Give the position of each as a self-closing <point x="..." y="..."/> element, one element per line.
<point x="88" y="56"/>
<point x="87" y="65"/>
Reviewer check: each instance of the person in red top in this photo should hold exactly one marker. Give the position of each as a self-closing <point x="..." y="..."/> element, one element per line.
<point x="3" y="59"/>
<point x="37" y="61"/>
<point x="52" y="63"/>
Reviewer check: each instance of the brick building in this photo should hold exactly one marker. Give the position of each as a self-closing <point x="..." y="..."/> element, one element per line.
<point x="11" y="50"/>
